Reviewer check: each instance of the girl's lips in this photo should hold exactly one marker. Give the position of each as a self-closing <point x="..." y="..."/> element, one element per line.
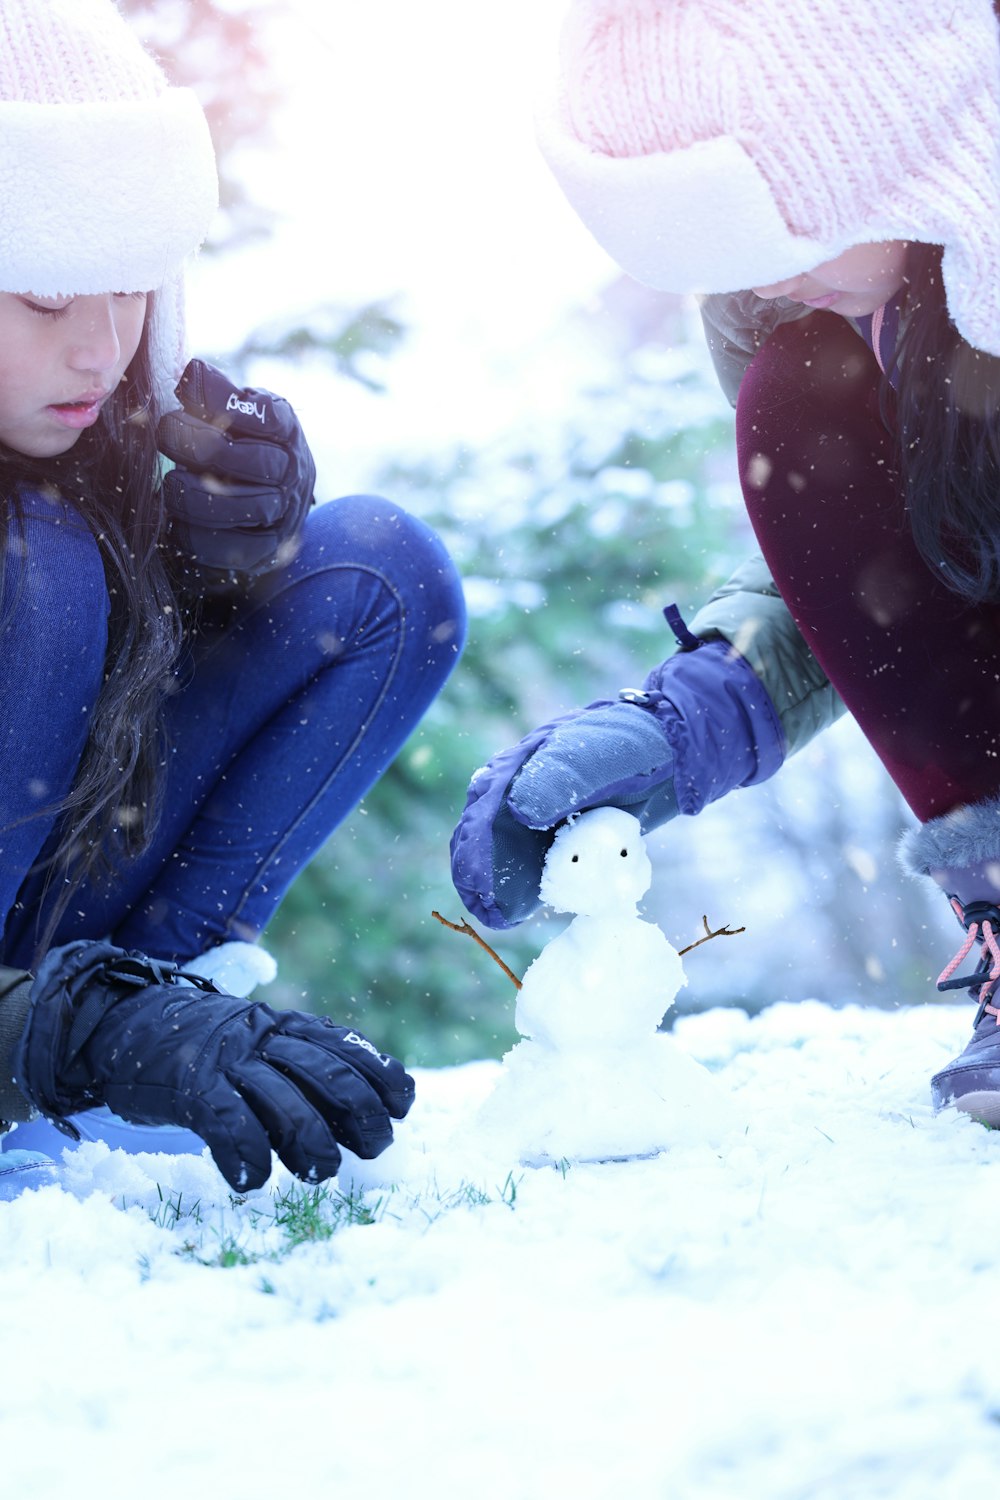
<point x="827" y="300"/>
<point x="78" y="414"/>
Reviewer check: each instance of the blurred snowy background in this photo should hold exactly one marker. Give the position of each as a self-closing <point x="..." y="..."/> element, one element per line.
<point x="393" y="256"/>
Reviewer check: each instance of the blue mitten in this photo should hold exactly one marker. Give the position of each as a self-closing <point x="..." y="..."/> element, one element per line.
<point x="702" y="724"/>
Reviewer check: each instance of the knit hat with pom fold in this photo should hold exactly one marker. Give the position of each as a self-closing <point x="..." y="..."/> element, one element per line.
<point x="716" y="145"/>
<point x="107" y="173"/>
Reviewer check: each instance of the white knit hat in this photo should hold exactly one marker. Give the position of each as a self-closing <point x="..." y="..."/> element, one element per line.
<point x="107" y="173"/>
<point x="716" y="145"/>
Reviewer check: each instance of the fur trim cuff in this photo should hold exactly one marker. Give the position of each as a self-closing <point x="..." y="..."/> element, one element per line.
<point x="967" y="836"/>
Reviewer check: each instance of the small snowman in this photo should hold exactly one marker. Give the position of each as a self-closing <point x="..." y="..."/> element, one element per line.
<point x="593" y="1079"/>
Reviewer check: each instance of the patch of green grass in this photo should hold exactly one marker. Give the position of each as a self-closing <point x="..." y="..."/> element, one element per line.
<point x="248" y="1232"/>
<point x="231" y="1253"/>
<point x="172" y="1209"/>
<point x="508" y="1193"/>
<point x="310" y="1214"/>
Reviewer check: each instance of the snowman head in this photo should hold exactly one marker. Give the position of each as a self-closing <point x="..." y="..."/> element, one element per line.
<point x="597" y="865"/>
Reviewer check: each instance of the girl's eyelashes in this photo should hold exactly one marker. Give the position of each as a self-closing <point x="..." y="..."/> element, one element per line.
<point x="58" y="310"/>
<point x="43" y="311"/>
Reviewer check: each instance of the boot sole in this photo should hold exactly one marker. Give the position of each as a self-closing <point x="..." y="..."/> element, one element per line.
<point x="17" y="1176"/>
<point x="983" y="1105"/>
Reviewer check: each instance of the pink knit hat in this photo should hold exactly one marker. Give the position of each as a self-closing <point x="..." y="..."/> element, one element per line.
<point x="715" y="145"/>
<point x="107" y="173"/>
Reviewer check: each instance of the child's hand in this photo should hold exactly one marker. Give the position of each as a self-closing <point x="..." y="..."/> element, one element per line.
<point x="607" y="754"/>
<point x="160" y="1048"/>
<point x="701" y="725"/>
<point x="244" y="475"/>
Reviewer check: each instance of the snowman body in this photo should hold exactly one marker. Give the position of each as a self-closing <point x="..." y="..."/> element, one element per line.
<point x="605" y="980"/>
<point x="593" y="1079"/>
<point x="609" y="977"/>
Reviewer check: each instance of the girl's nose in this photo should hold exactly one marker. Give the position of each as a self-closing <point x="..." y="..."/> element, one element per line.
<point x="94" y="342"/>
<point x="784" y="288"/>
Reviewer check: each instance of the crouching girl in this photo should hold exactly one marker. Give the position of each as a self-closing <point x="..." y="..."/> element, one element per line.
<point x="200" y="675"/>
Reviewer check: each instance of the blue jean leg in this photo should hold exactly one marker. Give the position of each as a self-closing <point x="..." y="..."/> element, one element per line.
<point x="53" y="640"/>
<point x="281" y="722"/>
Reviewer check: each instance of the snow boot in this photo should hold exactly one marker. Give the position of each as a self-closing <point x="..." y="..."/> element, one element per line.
<point x="960" y="852"/>
<point x="21" y="1170"/>
<point x="971" y="1081"/>
<point x="104" y="1125"/>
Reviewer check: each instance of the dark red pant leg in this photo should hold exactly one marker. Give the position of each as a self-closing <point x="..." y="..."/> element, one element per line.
<point x="918" y="668"/>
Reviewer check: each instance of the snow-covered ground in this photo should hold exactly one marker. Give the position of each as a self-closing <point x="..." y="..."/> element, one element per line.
<point x="803" y="1313"/>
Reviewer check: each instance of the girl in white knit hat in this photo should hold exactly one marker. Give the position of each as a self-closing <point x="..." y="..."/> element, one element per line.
<point x="199" y="677"/>
<point x="826" y="174"/>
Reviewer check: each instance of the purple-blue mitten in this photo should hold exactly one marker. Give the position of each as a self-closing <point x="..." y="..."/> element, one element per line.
<point x="702" y="724"/>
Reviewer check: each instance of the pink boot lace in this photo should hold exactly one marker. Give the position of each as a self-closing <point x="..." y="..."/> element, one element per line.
<point x="987" y="975"/>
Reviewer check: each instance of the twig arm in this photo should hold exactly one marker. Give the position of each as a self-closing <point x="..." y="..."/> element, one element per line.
<point x="472" y="933"/>
<point x="726" y="931"/>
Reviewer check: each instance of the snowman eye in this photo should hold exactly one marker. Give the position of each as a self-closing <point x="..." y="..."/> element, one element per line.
<point x="575" y="860"/>
<point x="624" y="854"/>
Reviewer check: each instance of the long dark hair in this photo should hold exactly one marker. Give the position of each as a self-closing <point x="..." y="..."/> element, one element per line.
<point x="948" y="426"/>
<point x="112" y="475"/>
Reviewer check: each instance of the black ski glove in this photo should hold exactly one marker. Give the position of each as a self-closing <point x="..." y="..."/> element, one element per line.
<point x="243" y="480"/>
<point x="161" y="1047"/>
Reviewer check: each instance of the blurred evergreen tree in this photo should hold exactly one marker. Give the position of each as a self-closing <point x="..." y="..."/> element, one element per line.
<point x="570" y="542"/>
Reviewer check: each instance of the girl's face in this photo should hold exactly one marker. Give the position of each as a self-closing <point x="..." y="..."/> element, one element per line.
<point x="60" y="359"/>
<point x="856" y="282"/>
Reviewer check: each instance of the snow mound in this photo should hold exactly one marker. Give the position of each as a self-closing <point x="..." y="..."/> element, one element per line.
<point x="802" y="1312"/>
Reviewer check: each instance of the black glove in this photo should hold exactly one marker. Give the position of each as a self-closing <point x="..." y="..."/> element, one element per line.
<point x="161" y="1047"/>
<point x="244" y="476"/>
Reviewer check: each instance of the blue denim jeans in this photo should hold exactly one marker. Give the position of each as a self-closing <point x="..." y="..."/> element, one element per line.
<point x="283" y="718"/>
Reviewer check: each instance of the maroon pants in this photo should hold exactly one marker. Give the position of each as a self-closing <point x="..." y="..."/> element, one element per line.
<point x="918" y="668"/>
